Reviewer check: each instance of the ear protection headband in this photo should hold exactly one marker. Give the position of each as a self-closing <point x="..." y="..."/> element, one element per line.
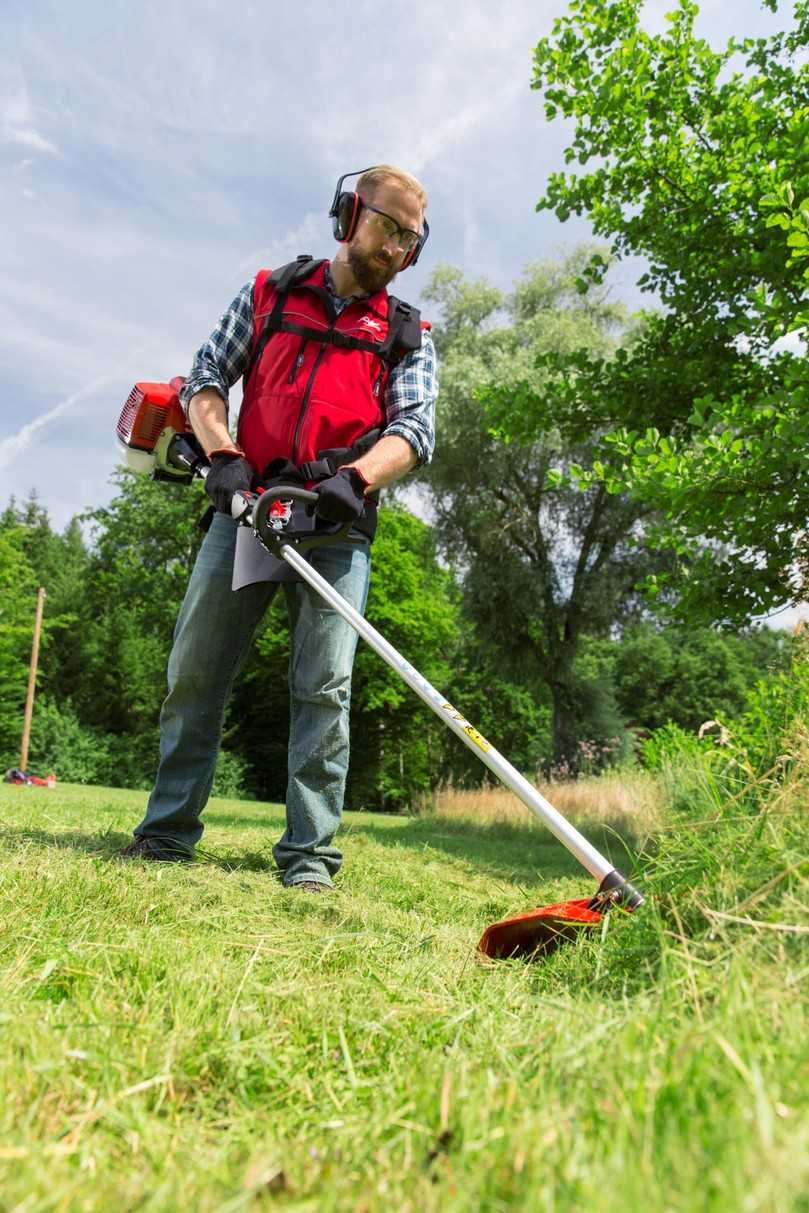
<point x="345" y="215"/>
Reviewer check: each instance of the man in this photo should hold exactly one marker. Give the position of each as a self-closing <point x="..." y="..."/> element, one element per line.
<point x="340" y="389"/>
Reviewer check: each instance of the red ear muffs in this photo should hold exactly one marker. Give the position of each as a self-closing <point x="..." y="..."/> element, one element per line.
<point x="346" y="215"/>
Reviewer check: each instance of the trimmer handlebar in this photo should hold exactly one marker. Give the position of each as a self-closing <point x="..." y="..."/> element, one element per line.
<point x="263" y="510"/>
<point x="291" y="492"/>
<point x="272" y="514"/>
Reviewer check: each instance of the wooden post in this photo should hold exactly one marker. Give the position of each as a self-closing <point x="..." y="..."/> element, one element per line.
<point x="32" y="680"/>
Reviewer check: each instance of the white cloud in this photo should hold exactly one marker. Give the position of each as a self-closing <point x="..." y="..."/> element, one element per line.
<point x="18" y="122"/>
<point x="12" y="447"/>
<point x="304" y="237"/>
<point x="29" y="138"/>
<point x="792" y="343"/>
<point x="445" y="136"/>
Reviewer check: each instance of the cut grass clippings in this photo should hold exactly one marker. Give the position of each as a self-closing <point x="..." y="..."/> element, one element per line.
<point x="197" y="1037"/>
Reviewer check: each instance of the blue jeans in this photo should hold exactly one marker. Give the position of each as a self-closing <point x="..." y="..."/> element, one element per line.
<point x="214" y="631"/>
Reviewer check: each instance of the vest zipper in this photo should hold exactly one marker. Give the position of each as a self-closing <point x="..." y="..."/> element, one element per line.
<point x="298" y="363"/>
<point x="305" y="401"/>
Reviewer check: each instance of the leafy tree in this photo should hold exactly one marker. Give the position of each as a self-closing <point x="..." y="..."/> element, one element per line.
<point x="144" y="546"/>
<point x="61" y="564"/>
<point x="102" y="670"/>
<point x="696" y="160"/>
<point x="145" y="543"/>
<point x="543" y="564"/>
<point x="62" y="744"/>
<point x="397" y="740"/>
<point x="17" y="609"/>
<point x="689" y="675"/>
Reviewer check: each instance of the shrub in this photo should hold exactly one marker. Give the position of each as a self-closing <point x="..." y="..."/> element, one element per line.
<point x="60" y="743"/>
<point x="230" y="778"/>
<point x="766" y="733"/>
<point x="669" y="743"/>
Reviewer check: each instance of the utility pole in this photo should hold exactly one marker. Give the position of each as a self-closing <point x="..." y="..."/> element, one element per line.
<point x="32" y="679"/>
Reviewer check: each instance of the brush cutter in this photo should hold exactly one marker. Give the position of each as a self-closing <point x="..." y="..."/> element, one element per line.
<point x="271" y="517"/>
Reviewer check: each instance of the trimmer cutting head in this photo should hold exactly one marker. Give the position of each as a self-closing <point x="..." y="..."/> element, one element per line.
<point x="538" y="932"/>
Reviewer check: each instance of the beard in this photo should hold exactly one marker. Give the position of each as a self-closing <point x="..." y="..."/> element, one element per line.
<point x="369" y="273"/>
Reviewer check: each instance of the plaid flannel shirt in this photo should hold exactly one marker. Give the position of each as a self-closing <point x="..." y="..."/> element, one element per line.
<point x="409" y="397"/>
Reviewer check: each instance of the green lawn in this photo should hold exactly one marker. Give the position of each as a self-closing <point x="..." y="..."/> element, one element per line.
<point x="201" y="1038"/>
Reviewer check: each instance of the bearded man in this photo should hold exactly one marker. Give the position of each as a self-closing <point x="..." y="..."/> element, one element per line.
<point x="339" y="390"/>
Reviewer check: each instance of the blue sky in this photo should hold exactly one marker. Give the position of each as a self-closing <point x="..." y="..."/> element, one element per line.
<point x="155" y="155"/>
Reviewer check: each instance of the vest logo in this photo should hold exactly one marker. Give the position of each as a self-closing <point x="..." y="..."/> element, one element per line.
<point x="370" y="323"/>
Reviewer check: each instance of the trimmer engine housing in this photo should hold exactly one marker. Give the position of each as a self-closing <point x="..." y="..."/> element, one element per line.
<point x="151" y="412"/>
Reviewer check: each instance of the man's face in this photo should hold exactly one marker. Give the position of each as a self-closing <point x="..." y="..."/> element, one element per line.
<point x="374" y="254"/>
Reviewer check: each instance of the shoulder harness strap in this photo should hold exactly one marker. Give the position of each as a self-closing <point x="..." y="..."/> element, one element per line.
<point x="404" y="321"/>
<point x="404" y="331"/>
<point x="283" y="279"/>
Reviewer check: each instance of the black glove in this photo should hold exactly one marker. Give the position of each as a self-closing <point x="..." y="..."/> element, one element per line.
<point x="230" y="473"/>
<point x="342" y="497"/>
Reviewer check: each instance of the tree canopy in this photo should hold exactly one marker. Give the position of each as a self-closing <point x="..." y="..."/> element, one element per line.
<point x="17" y="599"/>
<point x="695" y="160"/>
<point x="542" y="563"/>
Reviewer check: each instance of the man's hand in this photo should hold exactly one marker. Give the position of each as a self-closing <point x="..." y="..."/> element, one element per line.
<point x="230" y="473"/>
<point x="341" y="497"/>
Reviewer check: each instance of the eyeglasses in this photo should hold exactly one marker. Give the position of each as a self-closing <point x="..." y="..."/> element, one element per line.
<point x="404" y="237"/>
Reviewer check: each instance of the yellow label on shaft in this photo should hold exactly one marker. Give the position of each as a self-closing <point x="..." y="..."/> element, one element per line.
<point x="476" y="737"/>
<point x="469" y="729"/>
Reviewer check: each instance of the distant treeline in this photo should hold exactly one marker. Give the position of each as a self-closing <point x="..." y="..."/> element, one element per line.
<point x="115" y="581"/>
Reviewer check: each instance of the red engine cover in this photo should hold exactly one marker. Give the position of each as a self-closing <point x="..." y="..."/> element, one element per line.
<point x="148" y="410"/>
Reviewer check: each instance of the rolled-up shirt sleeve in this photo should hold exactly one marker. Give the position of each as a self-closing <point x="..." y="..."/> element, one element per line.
<point x="410" y="399"/>
<point x="224" y="357"/>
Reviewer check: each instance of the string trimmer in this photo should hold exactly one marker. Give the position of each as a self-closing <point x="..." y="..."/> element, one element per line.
<point x="152" y="426"/>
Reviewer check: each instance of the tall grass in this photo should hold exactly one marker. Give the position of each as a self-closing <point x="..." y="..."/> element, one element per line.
<point x="633" y="798"/>
<point x="200" y="1038"/>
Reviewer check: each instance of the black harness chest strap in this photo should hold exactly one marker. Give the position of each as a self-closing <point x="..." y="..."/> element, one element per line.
<point x="329" y="461"/>
<point x="404" y="321"/>
<point x="329" y="337"/>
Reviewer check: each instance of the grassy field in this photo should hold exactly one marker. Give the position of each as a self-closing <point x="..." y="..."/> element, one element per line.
<point x="199" y="1038"/>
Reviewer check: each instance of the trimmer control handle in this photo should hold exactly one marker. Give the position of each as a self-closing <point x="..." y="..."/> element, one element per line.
<point x="254" y="509"/>
<point x="273" y="528"/>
